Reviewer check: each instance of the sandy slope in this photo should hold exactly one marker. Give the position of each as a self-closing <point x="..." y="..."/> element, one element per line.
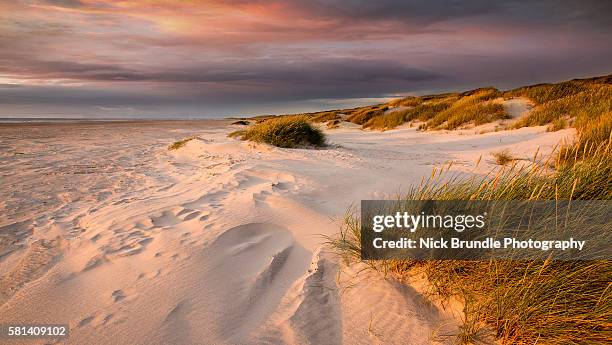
<point x="103" y="228"/>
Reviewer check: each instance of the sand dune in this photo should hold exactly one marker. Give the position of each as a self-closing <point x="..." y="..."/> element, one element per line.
<point x="217" y="242"/>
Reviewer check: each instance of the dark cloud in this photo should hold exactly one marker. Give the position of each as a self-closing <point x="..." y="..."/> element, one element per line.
<point x="62" y="3"/>
<point x="326" y="71"/>
<point x="337" y="50"/>
<point x="538" y="13"/>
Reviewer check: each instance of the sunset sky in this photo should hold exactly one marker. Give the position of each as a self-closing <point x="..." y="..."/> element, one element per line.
<point x="191" y="58"/>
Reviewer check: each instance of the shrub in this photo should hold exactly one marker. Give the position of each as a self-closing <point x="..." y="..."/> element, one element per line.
<point x="285" y="131"/>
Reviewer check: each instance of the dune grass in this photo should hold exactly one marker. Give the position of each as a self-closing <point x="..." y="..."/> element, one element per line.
<point x="325" y="116"/>
<point x="180" y="143"/>
<point x="362" y="115"/>
<point x="543" y="93"/>
<point x="284" y="131"/>
<point x="422" y="112"/>
<point x="585" y="105"/>
<point x="447" y="111"/>
<point x="474" y="107"/>
<point x="556" y="104"/>
<point x="527" y="302"/>
<point x="503" y="157"/>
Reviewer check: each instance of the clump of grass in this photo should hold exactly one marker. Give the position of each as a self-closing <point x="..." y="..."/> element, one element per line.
<point x="526" y="302"/>
<point x="503" y="157"/>
<point x="241" y="122"/>
<point x="325" y="117"/>
<point x="180" y="143"/>
<point x="284" y="131"/>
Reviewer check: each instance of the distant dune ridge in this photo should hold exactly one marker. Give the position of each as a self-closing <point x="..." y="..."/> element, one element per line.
<point x="174" y="233"/>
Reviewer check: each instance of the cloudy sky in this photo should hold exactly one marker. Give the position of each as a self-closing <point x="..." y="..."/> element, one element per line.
<point x="204" y="58"/>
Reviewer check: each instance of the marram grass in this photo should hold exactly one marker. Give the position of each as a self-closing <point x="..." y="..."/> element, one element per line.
<point x="284" y="131"/>
<point x="521" y="302"/>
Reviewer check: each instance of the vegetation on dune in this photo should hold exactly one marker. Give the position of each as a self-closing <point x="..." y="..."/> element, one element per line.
<point x="552" y="302"/>
<point x="285" y="131"/>
<point x="584" y="106"/>
<point x="325" y="116"/>
<point x="580" y="101"/>
<point x="422" y="112"/>
<point x="543" y="93"/>
<point x="362" y="115"/>
<point x="474" y="107"/>
<point x="447" y="111"/>
<point x="503" y="157"/>
<point x="180" y="143"/>
<point x="389" y="120"/>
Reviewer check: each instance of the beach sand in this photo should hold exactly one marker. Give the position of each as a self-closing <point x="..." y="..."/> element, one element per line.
<point x="219" y="242"/>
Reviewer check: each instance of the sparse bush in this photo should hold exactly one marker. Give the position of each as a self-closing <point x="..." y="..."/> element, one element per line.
<point x="285" y="131"/>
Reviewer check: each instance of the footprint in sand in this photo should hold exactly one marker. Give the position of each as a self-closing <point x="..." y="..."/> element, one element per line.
<point x="191" y="215"/>
<point x="118" y="295"/>
<point x="84" y="322"/>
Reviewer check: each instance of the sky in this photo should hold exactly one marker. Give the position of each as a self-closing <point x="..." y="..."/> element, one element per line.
<point x="216" y="58"/>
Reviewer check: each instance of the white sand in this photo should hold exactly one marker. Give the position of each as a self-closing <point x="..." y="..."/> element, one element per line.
<point x="219" y="242"/>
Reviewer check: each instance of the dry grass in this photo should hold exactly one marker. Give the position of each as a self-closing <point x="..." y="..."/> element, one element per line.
<point x="284" y="131"/>
<point x="447" y="111"/>
<point x="473" y="107"/>
<point x="363" y="115"/>
<point x="584" y="106"/>
<point x="571" y="100"/>
<point x="422" y="112"/>
<point x="503" y="157"/>
<point x="180" y="143"/>
<point x="522" y="302"/>
<point x="325" y="117"/>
